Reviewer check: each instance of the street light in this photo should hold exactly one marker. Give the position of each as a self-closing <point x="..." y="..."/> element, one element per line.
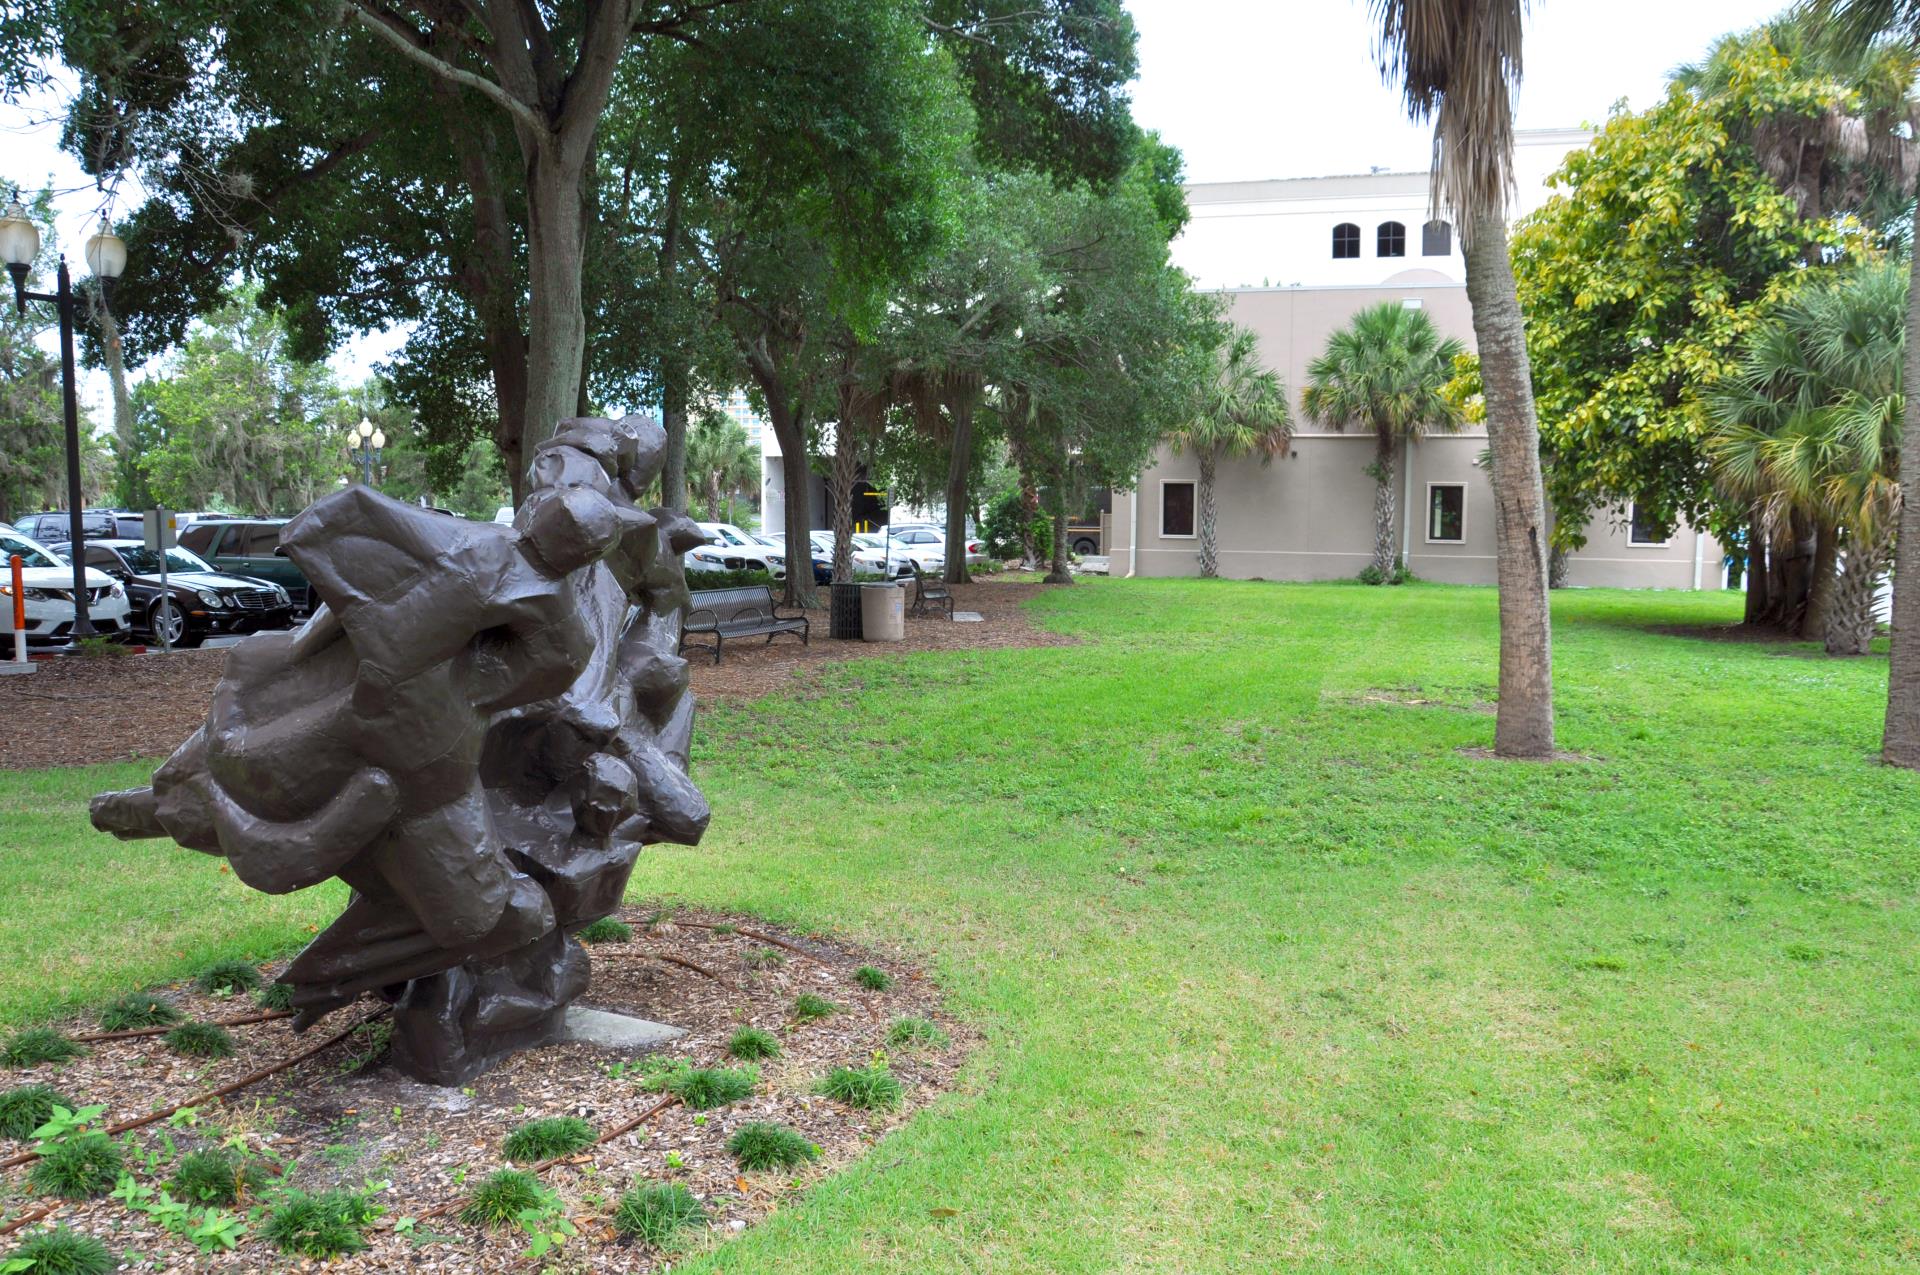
<point x="106" y="258"/>
<point x="364" y="444"/>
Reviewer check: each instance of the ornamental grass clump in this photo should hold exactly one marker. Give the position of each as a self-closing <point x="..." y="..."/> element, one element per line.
<point x="703" y="1088"/>
<point x="77" y="1168"/>
<point x="656" y="1211"/>
<point x="606" y="930"/>
<point x="915" y="1033"/>
<point x="228" y="976"/>
<point x="324" y="1225"/>
<point x="751" y="1044"/>
<point x="200" y="1040"/>
<point x="547" y="1138"/>
<point x="763" y="958"/>
<point x="872" y="1088"/>
<point x="59" y="1252"/>
<point x="38" y="1045"/>
<point x="762" y="1145"/>
<point x="503" y="1197"/>
<point x="275" y="996"/>
<point x="214" y="1176"/>
<point x="809" y="1008"/>
<point x="25" y="1109"/>
<point x="873" y="978"/>
<point x="137" y="1010"/>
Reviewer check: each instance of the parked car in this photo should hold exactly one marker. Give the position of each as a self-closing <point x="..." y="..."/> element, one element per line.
<point x="915" y="533"/>
<point x="206" y="603"/>
<point x="730" y="549"/>
<point x="46" y="584"/>
<point x="56" y="527"/>
<point x="898" y="557"/>
<point x="249" y="547"/>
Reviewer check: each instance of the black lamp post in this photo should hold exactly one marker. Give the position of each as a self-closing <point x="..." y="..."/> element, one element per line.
<point x="106" y="257"/>
<point x="364" y="444"/>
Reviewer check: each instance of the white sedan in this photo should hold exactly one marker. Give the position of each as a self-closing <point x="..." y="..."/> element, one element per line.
<point x="730" y="549"/>
<point x="46" y="582"/>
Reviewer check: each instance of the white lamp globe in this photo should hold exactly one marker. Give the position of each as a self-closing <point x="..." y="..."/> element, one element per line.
<point x="379" y="439"/>
<point x="19" y="237"/>
<point x="106" y="253"/>
<point x="364" y="429"/>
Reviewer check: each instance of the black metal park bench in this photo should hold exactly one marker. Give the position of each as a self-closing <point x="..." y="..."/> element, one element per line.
<point x="748" y="611"/>
<point x="929" y="593"/>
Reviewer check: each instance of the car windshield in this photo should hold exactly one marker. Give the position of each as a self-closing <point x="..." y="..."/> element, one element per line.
<point x="143" y="561"/>
<point x="30" y="554"/>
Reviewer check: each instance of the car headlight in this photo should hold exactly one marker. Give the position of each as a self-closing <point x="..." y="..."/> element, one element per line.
<point x="115" y="591"/>
<point x="281" y="595"/>
<point x="776" y="560"/>
<point x="208" y="599"/>
<point x="702" y="555"/>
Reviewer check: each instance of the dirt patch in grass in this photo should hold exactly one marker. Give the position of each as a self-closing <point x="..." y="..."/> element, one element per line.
<point x="416" y="1148"/>
<point x="77" y="712"/>
<point x="1559" y="754"/>
<point x="1414" y="697"/>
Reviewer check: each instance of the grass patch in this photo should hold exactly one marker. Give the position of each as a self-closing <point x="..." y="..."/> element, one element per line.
<point x="657" y="1212"/>
<point x="59" y="1252"/>
<point x="704" y="1088"/>
<point x="228" y="976"/>
<point x="275" y="995"/>
<point x="873" y="978"/>
<point x="809" y="1008"/>
<point x="136" y="1010"/>
<point x="764" y="958"/>
<point x="38" y="1045"/>
<point x="753" y="1044"/>
<point x="761" y="1145"/>
<point x="870" y="1088"/>
<point x="605" y="930"/>
<point x="327" y="1224"/>
<point x="214" y="1175"/>
<point x="549" y="1137"/>
<point x="200" y="1040"/>
<point x="501" y="1199"/>
<point x="915" y="1033"/>
<point x="77" y="1167"/>
<point x="25" y="1109"/>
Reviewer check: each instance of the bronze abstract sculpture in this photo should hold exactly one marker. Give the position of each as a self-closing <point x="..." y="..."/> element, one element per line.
<point x="477" y="730"/>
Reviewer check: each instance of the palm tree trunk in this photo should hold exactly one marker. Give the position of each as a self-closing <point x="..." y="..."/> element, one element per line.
<point x="1820" y="585"/>
<point x="1383" y="470"/>
<point x="845" y="472"/>
<point x="1757" y="608"/>
<point x="1849" y="628"/>
<point x="1209" y="553"/>
<point x="1900" y="745"/>
<point x="1524" y="725"/>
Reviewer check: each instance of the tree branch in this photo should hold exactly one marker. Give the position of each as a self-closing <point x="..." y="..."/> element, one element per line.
<point x="384" y="23"/>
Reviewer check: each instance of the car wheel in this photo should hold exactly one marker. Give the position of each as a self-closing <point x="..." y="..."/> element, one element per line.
<point x="167" y="622"/>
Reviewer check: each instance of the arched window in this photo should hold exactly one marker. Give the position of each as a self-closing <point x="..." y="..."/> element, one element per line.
<point x="1390" y="240"/>
<point x="1436" y="239"/>
<point x="1346" y="240"/>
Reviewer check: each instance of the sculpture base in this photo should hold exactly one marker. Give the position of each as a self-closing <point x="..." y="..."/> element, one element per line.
<point x="617" y="1031"/>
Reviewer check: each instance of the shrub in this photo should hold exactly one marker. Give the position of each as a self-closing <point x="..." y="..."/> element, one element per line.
<point x="25" y="1109"/>
<point x="228" y="976"/>
<point x="87" y="1164"/>
<point x="275" y="996"/>
<point x="324" y="1225"/>
<point x="61" y="1252"/>
<point x="606" y="930"/>
<point x="874" y="980"/>
<point x="704" y="1088"/>
<point x="1001" y="530"/>
<point x="545" y="1139"/>
<point x="915" y="1033"/>
<point x="137" y="1010"/>
<point x="38" y="1045"/>
<point x="501" y="1199"/>
<point x="655" y="1211"/>
<point x="214" y="1176"/>
<point x="869" y="1088"/>
<point x="761" y="1145"/>
<point x="752" y="1044"/>
<point x="697" y="579"/>
<point x="808" y="1008"/>
<point x="200" y="1040"/>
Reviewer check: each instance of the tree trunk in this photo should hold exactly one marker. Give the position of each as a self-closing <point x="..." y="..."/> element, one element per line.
<point x="1849" y="626"/>
<point x="959" y="462"/>
<point x="1757" y="607"/>
<point x="1900" y="745"/>
<point x="1820" y="582"/>
<point x="1209" y="553"/>
<point x="556" y="317"/>
<point x="673" y="368"/>
<point x="846" y="472"/>
<point x="1061" y="573"/>
<point x="1524" y="725"/>
<point x="1789" y="577"/>
<point x="1383" y="538"/>
<point x="1029" y="500"/>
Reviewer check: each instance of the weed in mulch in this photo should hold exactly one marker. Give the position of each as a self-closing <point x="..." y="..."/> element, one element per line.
<point x="871" y="1088"/>
<point x="606" y="930"/>
<point x="809" y="1008"/>
<point x="215" y="1176"/>
<point x="38" y="1045"/>
<point x="503" y="1197"/>
<point x="82" y="1166"/>
<point x="137" y="1010"/>
<point x="656" y="1211"/>
<point x="762" y="1145"/>
<point x="25" y="1109"/>
<point x="704" y="1088"/>
<point x="275" y="996"/>
<point x="544" y="1139"/>
<point x="873" y="978"/>
<point x="751" y="1044"/>
<point x="323" y="1225"/>
<point x="369" y="1044"/>
<point x="915" y="1033"/>
<point x="764" y="958"/>
<point x="200" y="1040"/>
<point x="228" y="976"/>
<point x="59" y="1252"/>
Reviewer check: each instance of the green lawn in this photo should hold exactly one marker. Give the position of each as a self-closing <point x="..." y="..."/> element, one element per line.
<point x="1272" y="976"/>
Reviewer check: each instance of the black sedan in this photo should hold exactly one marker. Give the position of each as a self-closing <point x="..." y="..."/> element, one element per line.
<point x="206" y="603"/>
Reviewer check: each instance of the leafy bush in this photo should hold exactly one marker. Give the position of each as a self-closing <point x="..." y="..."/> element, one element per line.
<point x="501" y="1199"/>
<point x="873" y="979"/>
<point x="761" y="1145"/>
<point x="655" y="1211"/>
<point x="1400" y="574"/>
<point x="38" y="1045"/>
<point x="275" y="995"/>
<point x="729" y="579"/>
<point x="100" y="648"/>
<point x="915" y="1033"/>
<point x="60" y="1252"/>
<point x="228" y="976"/>
<point x="868" y="1088"/>
<point x="605" y="930"/>
<point x="324" y="1225"/>
<point x="547" y="1138"/>
<point x="1001" y="530"/>
<point x="752" y="1044"/>
<point x="703" y="1088"/>
<point x="138" y="1010"/>
<point x="200" y="1040"/>
<point x="214" y="1176"/>
<point x="87" y="1164"/>
<point x="25" y="1109"/>
<point x="808" y="1008"/>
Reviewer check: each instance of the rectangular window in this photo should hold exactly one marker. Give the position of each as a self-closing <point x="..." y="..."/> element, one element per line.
<point x="1446" y="513"/>
<point x="1176" y="509"/>
<point x="1644" y="533"/>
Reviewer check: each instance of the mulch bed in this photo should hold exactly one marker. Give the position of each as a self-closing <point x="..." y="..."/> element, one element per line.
<point x="335" y="1127"/>
<point x="76" y="712"/>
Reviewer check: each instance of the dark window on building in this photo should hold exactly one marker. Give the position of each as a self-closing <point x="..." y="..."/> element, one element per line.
<point x="1447" y="512"/>
<point x="1390" y="240"/>
<point x="1176" y="509"/>
<point x="1346" y="240"/>
<point x="1643" y="530"/>
<point x="1436" y="239"/>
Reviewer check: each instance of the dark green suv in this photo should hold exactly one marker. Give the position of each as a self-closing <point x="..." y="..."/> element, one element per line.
<point x="245" y="547"/>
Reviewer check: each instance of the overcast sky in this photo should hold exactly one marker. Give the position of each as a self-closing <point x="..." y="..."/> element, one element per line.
<point x="1246" y="88"/>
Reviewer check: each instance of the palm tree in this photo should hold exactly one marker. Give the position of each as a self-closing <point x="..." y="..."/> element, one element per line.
<point x="720" y="460"/>
<point x="1244" y="413"/>
<point x="1809" y="424"/>
<point x="1385" y="371"/>
<point x="1459" y="61"/>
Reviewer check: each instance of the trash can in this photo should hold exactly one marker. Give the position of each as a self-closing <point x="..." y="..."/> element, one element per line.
<point x="883" y="613"/>
<point x="844" y="617"/>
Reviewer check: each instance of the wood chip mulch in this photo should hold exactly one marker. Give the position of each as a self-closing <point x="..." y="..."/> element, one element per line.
<point x="418" y="1147"/>
<point x="76" y="712"/>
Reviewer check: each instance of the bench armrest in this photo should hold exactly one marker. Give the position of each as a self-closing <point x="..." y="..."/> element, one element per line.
<point x="687" y="623"/>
